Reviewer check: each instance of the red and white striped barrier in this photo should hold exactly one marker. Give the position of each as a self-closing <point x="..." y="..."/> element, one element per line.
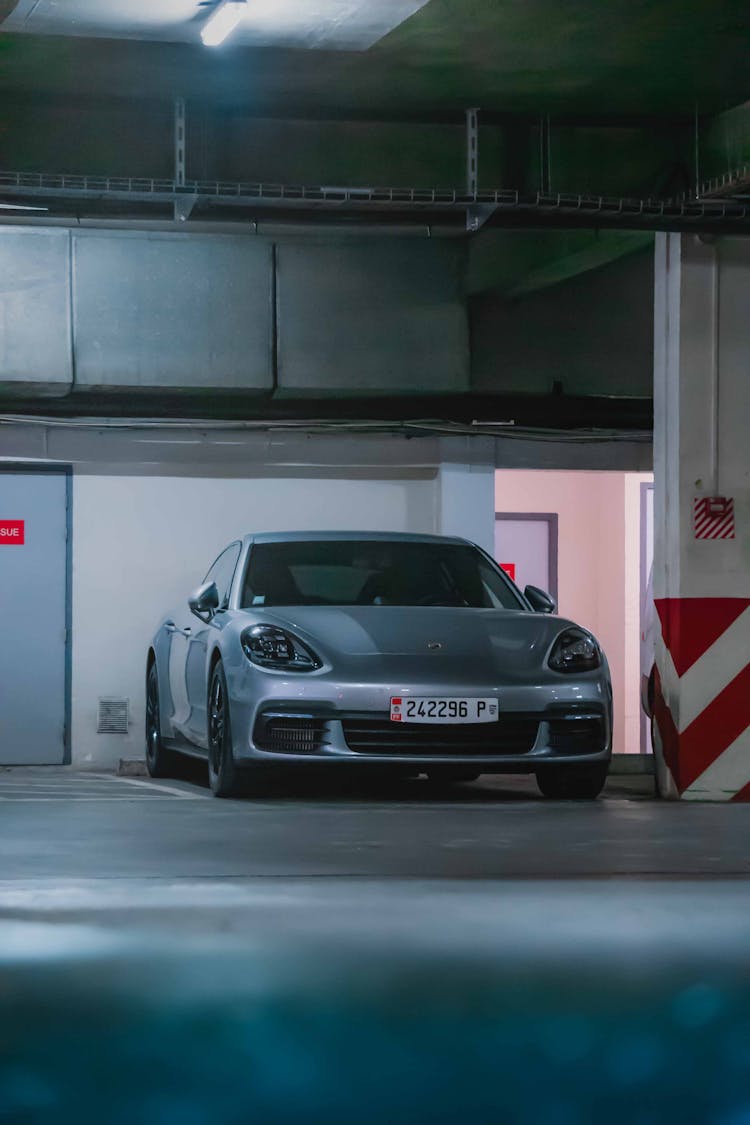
<point x="702" y="696"/>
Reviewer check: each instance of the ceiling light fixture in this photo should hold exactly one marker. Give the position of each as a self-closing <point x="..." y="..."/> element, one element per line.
<point x="222" y="22"/>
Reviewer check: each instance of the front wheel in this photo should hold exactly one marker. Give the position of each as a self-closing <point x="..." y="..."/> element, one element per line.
<point x="223" y="775"/>
<point x="160" y="762"/>
<point x="573" y="782"/>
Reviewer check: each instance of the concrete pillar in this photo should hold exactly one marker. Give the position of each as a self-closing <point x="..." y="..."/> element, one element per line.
<point x="702" y="516"/>
<point x="466" y="498"/>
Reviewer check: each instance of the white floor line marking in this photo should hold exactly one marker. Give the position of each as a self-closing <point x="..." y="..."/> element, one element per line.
<point x="89" y="800"/>
<point x="74" y="779"/>
<point x="60" y="782"/>
<point x="152" y="787"/>
<point x="72" y="794"/>
<point x="88" y="785"/>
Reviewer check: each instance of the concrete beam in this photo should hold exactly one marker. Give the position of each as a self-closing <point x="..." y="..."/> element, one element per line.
<point x="511" y="264"/>
<point x="598" y="249"/>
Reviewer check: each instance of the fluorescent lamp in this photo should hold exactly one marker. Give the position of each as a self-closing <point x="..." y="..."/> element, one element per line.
<point x="222" y="22"/>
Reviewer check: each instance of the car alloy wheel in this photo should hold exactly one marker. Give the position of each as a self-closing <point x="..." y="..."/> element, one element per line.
<point x="216" y="724"/>
<point x="223" y="775"/>
<point x="159" y="761"/>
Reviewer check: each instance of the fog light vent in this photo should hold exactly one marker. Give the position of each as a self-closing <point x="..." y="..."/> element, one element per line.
<point x="113" y="716"/>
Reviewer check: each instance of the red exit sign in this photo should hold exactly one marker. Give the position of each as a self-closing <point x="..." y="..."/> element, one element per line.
<point x="11" y="533"/>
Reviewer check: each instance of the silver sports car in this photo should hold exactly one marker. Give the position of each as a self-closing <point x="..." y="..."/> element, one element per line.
<point x="413" y="652"/>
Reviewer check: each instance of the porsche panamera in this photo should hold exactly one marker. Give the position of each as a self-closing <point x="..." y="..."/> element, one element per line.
<point x="356" y="650"/>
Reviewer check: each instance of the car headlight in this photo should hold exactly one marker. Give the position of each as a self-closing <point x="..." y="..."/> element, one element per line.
<point x="272" y="647"/>
<point x="575" y="651"/>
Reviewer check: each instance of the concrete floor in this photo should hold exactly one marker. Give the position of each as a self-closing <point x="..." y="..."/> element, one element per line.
<point x="370" y="953"/>
<point x="63" y="824"/>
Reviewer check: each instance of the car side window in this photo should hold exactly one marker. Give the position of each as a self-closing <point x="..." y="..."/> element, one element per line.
<point x="498" y="594"/>
<point x="222" y="571"/>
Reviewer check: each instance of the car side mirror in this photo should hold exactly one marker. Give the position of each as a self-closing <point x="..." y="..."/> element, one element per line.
<point x="539" y="600"/>
<point x="204" y="602"/>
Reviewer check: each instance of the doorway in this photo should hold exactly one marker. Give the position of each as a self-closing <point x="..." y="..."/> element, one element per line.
<point x="526" y="547"/>
<point x="34" y="649"/>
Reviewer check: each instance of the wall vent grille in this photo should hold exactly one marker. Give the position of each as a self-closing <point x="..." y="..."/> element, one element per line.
<point x="113" y="716"/>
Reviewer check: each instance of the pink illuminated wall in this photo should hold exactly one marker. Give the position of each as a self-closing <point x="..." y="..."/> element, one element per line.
<point x="598" y="566"/>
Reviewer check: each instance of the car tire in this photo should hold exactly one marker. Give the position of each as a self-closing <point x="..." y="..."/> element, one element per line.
<point x="160" y="762"/>
<point x="223" y="775"/>
<point x="573" y="782"/>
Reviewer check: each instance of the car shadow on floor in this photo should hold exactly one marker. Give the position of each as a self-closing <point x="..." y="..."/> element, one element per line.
<point x="367" y="785"/>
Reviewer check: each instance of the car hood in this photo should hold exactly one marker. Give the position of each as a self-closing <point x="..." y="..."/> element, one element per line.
<point x="439" y="632"/>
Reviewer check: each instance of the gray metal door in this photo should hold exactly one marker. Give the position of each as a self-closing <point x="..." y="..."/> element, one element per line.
<point x="526" y="546"/>
<point x="34" y="616"/>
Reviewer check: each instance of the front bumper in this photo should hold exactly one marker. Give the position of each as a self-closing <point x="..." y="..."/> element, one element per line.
<point x="534" y="717"/>
<point x="285" y="732"/>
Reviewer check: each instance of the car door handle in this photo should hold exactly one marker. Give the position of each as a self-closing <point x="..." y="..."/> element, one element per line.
<point x="172" y="628"/>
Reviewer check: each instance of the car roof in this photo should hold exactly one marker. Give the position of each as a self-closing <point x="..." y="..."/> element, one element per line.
<point x="347" y="536"/>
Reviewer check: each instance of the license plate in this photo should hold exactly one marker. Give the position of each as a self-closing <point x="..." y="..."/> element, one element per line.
<point x="456" y="709"/>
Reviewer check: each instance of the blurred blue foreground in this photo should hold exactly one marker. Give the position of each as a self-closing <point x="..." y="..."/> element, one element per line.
<point x="351" y="1003"/>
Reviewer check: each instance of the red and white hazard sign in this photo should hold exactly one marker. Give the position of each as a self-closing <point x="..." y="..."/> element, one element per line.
<point x="713" y="517"/>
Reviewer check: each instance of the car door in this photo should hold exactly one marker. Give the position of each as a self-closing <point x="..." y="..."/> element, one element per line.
<point x="182" y="627"/>
<point x="198" y="642"/>
<point x="179" y="628"/>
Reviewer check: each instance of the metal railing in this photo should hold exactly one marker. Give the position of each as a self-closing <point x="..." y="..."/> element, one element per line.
<point x="47" y="186"/>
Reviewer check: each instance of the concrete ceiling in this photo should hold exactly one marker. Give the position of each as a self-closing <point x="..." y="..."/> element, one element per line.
<point x="591" y="97"/>
<point x="627" y="57"/>
<point x="333" y="24"/>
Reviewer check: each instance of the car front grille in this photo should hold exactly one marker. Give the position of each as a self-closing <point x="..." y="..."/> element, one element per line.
<point x="290" y="734"/>
<point x="571" y="733"/>
<point x="509" y="735"/>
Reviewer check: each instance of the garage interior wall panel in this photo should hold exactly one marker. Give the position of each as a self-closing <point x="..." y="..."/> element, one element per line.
<point x="35" y="352"/>
<point x="372" y="316"/>
<point x="178" y="311"/>
<point x="593" y="334"/>
<point x="141" y="544"/>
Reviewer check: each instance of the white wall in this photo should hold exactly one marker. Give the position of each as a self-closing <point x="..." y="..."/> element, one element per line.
<point x="140" y="543"/>
<point x="466" y="504"/>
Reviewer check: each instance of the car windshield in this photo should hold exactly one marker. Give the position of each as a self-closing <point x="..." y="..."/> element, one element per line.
<point x="375" y="572"/>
